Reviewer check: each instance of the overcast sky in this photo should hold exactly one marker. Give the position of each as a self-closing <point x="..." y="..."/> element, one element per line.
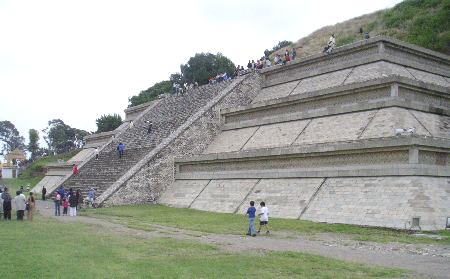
<point x="76" y="60"/>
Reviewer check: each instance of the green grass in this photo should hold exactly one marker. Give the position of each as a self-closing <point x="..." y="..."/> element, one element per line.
<point x="35" y="172"/>
<point x="14" y="184"/>
<point x="37" y="168"/>
<point x="46" y="248"/>
<point x="146" y="216"/>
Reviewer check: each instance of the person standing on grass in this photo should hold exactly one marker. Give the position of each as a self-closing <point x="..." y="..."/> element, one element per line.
<point x="251" y="212"/>
<point x="20" y="202"/>
<point x="263" y="217"/>
<point x="65" y="204"/>
<point x="73" y="202"/>
<point x="7" y="207"/>
<point x="79" y="199"/>
<point x="1" y="203"/>
<point x="44" y="192"/>
<point x="57" y="200"/>
<point x="31" y="207"/>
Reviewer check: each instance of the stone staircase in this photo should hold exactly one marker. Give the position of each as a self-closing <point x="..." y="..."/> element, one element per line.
<point x="169" y="114"/>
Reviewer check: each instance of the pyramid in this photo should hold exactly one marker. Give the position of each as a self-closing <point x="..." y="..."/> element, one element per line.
<point x="321" y="141"/>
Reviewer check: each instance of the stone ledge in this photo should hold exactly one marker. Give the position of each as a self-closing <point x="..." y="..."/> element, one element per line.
<point x="320" y="172"/>
<point x="342" y="90"/>
<point x="333" y="110"/>
<point x="388" y="143"/>
<point x="376" y="48"/>
<point x="382" y="93"/>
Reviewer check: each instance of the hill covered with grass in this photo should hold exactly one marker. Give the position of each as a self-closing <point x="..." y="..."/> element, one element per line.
<point x="35" y="171"/>
<point x="422" y="22"/>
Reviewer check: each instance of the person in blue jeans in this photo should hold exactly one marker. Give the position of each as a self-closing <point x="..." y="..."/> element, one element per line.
<point x="251" y="212"/>
<point x="57" y="200"/>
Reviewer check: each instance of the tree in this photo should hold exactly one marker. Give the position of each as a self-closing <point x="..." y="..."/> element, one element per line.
<point x="177" y="78"/>
<point x="151" y="93"/>
<point x="33" y="144"/>
<point x="108" y="123"/>
<point x="61" y="138"/>
<point x="10" y="137"/>
<point x="204" y="65"/>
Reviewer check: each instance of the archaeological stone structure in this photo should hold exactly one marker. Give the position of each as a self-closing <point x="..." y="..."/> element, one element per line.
<point x="359" y="136"/>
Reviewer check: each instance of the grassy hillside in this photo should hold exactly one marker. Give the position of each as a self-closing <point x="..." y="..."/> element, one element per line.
<point x="36" y="171"/>
<point x="422" y="22"/>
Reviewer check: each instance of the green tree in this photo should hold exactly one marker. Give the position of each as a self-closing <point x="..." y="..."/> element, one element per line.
<point x="151" y="93"/>
<point x="33" y="144"/>
<point x="204" y="65"/>
<point x="177" y="78"/>
<point x="61" y="138"/>
<point x="10" y="137"/>
<point x="108" y="123"/>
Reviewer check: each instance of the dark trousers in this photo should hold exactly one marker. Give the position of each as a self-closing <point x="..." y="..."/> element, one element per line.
<point x="7" y="214"/>
<point x="120" y="153"/>
<point x="20" y="214"/>
<point x="43" y="197"/>
<point x="64" y="210"/>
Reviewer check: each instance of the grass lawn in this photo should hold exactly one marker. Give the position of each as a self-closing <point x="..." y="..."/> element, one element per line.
<point x="14" y="183"/>
<point x="144" y="216"/>
<point x="47" y="248"/>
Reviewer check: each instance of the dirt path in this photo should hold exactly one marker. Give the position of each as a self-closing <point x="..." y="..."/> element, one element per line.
<point x="426" y="261"/>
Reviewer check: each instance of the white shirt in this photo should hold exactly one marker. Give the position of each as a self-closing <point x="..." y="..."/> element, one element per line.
<point x="264" y="211"/>
<point x="20" y="202"/>
<point x="332" y="41"/>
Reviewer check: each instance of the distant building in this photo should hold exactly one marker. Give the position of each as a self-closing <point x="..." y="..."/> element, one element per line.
<point x="11" y="169"/>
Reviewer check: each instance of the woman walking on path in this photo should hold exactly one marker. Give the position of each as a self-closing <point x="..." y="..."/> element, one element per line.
<point x="31" y="207"/>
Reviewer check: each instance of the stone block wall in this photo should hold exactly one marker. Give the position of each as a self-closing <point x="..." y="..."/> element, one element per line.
<point x="371" y="201"/>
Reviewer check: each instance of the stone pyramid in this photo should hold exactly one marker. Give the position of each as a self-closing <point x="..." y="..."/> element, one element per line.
<point x="322" y="141"/>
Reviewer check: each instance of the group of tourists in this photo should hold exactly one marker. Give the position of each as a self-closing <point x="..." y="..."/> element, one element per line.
<point x="219" y="78"/>
<point x="71" y="201"/>
<point x="265" y="62"/>
<point x="263" y="218"/>
<point x="21" y="202"/>
<point x="182" y="88"/>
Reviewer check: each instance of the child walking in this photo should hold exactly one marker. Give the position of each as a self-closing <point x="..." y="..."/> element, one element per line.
<point x="264" y="218"/>
<point x="251" y="212"/>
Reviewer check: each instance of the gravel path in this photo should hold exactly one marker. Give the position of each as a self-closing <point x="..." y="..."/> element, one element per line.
<point x="425" y="261"/>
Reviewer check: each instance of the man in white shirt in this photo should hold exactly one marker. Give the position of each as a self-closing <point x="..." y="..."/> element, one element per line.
<point x="263" y="217"/>
<point x="20" y="202"/>
<point x="331" y="44"/>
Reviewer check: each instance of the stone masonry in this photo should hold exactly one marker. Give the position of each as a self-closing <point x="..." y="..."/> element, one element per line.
<point x="319" y="142"/>
<point x="167" y="115"/>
